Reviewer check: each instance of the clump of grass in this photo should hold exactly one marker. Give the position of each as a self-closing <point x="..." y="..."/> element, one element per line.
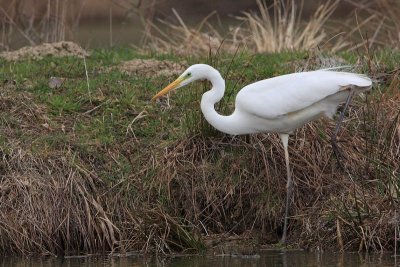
<point x="284" y="29"/>
<point x="264" y="32"/>
<point x="182" y="39"/>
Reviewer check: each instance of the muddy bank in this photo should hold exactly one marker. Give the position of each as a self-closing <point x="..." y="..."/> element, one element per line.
<point x="59" y="49"/>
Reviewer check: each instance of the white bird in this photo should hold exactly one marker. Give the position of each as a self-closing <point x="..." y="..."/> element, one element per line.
<point x="277" y="105"/>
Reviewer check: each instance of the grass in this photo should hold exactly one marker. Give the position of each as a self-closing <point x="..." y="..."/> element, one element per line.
<point x="260" y="31"/>
<point x="284" y="29"/>
<point x="111" y="171"/>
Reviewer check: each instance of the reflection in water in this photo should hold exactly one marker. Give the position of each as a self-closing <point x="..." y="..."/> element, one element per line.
<point x="272" y="258"/>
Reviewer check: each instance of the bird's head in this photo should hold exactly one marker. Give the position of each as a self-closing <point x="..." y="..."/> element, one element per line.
<point x="191" y="74"/>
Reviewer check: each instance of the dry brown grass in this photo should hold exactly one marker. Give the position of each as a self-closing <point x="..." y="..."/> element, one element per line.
<point x="48" y="207"/>
<point x="282" y="28"/>
<point x="382" y="25"/>
<point x="182" y="39"/>
<point x="266" y="32"/>
<point x="54" y="202"/>
<point x="276" y="28"/>
<point x="54" y="206"/>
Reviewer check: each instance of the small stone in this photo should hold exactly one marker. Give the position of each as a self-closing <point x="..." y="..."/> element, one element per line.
<point x="56" y="82"/>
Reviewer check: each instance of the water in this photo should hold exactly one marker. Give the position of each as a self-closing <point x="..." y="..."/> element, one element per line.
<point x="101" y="34"/>
<point x="270" y="258"/>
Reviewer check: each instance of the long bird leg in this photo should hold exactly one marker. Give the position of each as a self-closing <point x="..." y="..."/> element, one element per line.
<point x="289" y="185"/>
<point x="338" y="153"/>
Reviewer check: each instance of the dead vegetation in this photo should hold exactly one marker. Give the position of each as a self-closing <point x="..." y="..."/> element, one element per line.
<point x="382" y="25"/>
<point x="182" y="39"/>
<point x="280" y="27"/>
<point x="283" y="29"/>
<point x="276" y="28"/>
<point x="53" y="205"/>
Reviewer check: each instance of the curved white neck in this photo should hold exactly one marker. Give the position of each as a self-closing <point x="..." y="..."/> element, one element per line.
<point x="210" y="98"/>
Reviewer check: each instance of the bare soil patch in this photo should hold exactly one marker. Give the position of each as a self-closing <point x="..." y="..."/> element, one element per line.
<point x="60" y="49"/>
<point x="152" y="67"/>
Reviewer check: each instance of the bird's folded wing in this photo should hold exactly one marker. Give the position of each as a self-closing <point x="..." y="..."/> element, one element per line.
<point x="282" y="95"/>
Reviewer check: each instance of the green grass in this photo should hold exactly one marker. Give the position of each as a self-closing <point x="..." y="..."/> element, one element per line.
<point x="117" y="98"/>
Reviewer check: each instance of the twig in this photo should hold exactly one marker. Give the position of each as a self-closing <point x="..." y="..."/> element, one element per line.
<point x="339" y="235"/>
<point x="93" y="109"/>
<point x="142" y="114"/>
<point x="87" y="79"/>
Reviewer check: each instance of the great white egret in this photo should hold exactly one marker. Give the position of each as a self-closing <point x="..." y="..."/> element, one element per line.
<point x="278" y="105"/>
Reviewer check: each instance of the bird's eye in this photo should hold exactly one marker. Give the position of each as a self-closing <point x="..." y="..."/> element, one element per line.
<point x="189" y="74"/>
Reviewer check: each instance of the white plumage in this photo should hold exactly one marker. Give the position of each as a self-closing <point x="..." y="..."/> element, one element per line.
<point x="284" y="103"/>
<point x="279" y="105"/>
<point x="275" y="97"/>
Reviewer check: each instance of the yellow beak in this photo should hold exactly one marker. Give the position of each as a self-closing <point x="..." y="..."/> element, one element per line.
<point x="171" y="86"/>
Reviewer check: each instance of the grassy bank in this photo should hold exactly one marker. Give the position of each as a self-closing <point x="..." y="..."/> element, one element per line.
<point x="92" y="165"/>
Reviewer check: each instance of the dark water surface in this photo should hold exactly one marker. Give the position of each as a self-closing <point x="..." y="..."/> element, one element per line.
<point x="272" y="258"/>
